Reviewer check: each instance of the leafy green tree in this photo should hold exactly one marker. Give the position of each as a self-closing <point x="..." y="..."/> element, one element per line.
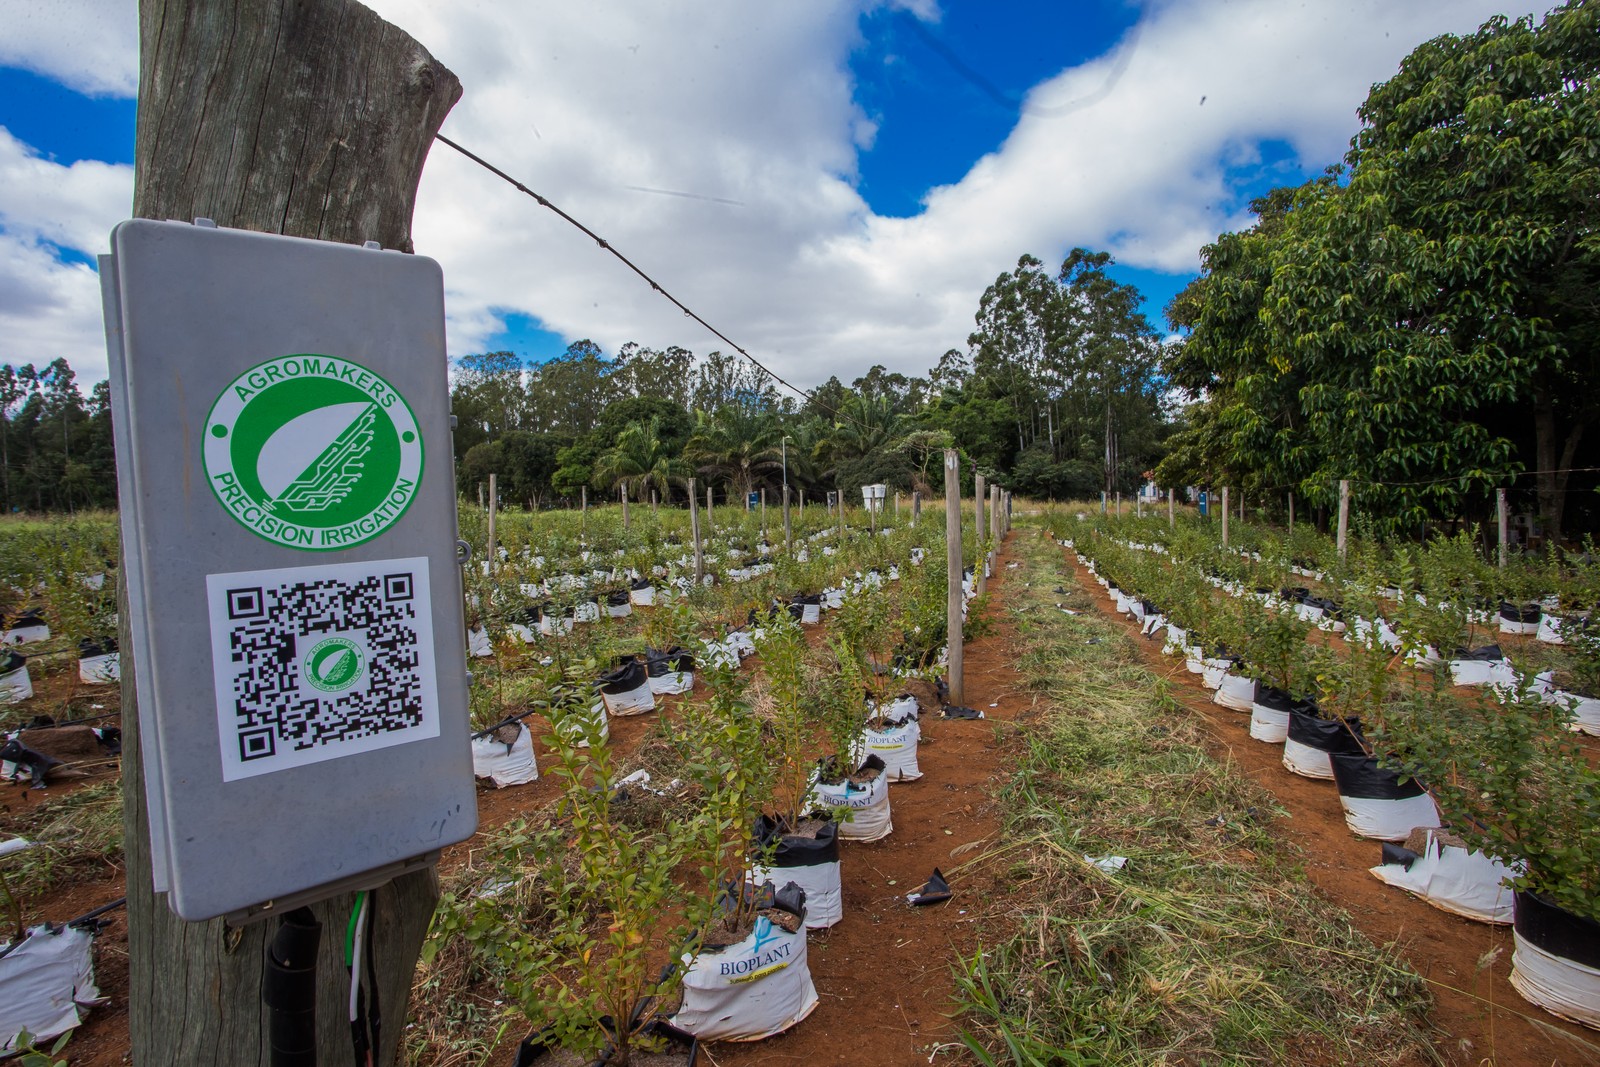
<point x="1449" y="291"/>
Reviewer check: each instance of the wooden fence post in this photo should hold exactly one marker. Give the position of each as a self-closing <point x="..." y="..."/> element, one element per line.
<point x="494" y="506"/>
<point x="788" y="530"/>
<point x="1224" y="516"/>
<point x="1172" y="514"/>
<point x="1504" y="523"/>
<point x="694" y="533"/>
<point x="980" y="561"/>
<point x="953" y="563"/>
<point x="1344" y="517"/>
<point x="624" y="505"/>
<point x="341" y="111"/>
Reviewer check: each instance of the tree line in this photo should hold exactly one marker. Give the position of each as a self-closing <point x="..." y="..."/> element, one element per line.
<point x="56" y="452"/>
<point x="1059" y="394"/>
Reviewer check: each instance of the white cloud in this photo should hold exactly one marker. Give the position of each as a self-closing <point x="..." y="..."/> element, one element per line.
<point x="755" y="105"/>
<point x="91" y="45"/>
<point x="48" y="307"/>
<point x="608" y="109"/>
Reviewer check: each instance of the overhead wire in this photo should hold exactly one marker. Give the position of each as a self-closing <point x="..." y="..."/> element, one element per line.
<point x="631" y="265"/>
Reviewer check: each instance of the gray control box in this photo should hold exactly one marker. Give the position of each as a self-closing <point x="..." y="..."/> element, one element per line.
<point x="282" y="421"/>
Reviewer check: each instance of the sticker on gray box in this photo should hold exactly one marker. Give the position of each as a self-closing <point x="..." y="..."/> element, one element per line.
<point x="318" y="663"/>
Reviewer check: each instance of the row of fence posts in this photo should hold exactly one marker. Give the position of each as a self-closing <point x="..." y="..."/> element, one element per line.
<point x="988" y="500"/>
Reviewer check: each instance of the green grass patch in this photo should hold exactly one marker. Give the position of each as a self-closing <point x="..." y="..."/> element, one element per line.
<point x="1209" y="946"/>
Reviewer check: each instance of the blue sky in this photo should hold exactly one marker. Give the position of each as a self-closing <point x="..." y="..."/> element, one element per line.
<point x="856" y="173"/>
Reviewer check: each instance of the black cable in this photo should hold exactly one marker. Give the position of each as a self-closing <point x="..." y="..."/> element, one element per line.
<point x="603" y="243"/>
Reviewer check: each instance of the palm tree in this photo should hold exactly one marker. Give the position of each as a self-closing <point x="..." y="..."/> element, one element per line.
<point x="736" y="443"/>
<point x="640" y="461"/>
<point x="863" y="426"/>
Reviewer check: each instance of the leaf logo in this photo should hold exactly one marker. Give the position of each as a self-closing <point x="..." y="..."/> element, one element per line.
<point x="334" y="665"/>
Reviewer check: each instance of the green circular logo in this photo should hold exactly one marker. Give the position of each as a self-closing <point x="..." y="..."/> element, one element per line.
<point x="334" y="665"/>
<point x="313" y="452"/>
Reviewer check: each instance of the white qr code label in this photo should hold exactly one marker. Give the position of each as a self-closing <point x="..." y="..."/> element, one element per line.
<point x="318" y="663"/>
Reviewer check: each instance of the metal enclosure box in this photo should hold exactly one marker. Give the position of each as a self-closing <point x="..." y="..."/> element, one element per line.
<point x="281" y="414"/>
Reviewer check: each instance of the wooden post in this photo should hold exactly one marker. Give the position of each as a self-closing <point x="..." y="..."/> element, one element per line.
<point x="763" y="511"/>
<point x="494" y="506"/>
<point x="1291" y="513"/>
<point x="694" y="532"/>
<point x="480" y="497"/>
<point x="711" y="521"/>
<point x="897" y="505"/>
<point x="583" y="516"/>
<point x="952" y="557"/>
<point x="1102" y="501"/>
<point x="1119" y="503"/>
<point x="841" y="515"/>
<point x="1224" y="516"/>
<point x="980" y="565"/>
<point x="1344" y="516"/>
<point x="1505" y="530"/>
<point x="1138" y="503"/>
<point x="788" y="530"/>
<point x="802" y="514"/>
<point x="916" y="505"/>
<point x="995" y="496"/>
<point x="655" y="502"/>
<point x="624" y="505"/>
<point x="321" y="135"/>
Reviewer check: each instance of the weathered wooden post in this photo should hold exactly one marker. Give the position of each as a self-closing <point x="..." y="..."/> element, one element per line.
<point x="763" y="512"/>
<point x="1291" y="513"/>
<point x="694" y="533"/>
<point x="953" y="564"/>
<point x="494" y="506"/>
<point x="624" y="505"/>
<point x="711" y="522"/>
<point x="916" y="505"/>
<point x="1344" y="517"/>
<point x="788" y="530"/>
<point x="1172" y="516"/>
<point x="322" y="135"/>
<point x="981" y="560"/>
<point x="1504" y="522"/>
<point x="1224" y="516"/>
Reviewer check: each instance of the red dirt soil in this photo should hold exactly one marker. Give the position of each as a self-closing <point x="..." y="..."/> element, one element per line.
<point x="884" y="974"/>
<point x="1481" y="1018"/>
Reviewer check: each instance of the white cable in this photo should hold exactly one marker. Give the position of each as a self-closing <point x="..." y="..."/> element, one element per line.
<point x="355" y="955"/>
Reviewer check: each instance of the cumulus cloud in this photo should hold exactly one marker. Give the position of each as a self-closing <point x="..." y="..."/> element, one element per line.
<point x="755" y="105"/>
<point x="614" y="109"/>
<point x="50" y="305"/>
<point x="90" y="45"/>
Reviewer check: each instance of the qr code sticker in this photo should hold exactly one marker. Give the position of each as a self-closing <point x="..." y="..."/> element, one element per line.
<point x="318" y="663"/>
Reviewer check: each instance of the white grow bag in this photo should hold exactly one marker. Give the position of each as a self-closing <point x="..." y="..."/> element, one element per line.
<point x="896" y="745"/>
<point x="626" y="691"/>
<point x="1462" y="881"/>
<point x="1542" y="971"/>
<point x="643" y="597"/>
<point x="1177" y="640"/>
<point x="478" y="642"/>
<point x="868" y="804"/>
<point x="44" y="982"/>
<point x="100" y="670"/>
<point x="1550" y="629"/>
<point x="750" y="990"/>
<point x="1268" y="724"/>
<point x="505" y="763"/>
<point x="1236" y="692"/>
<point x="1212" y="672"/>
<point x="15" y="686"/>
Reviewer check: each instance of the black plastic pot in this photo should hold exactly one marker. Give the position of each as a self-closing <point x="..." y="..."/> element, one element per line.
<point x="625" y="679"/>
<point x="11" y="661"/>
<point x="1333" y="736"/>
<point x="528" y="616"/>
<point x="1275" y="699"/>
<point x="660" y="663"/>
<point x="1527" y="614"/>
<point x="1358" y="775"/>
<point x="1556" y="930"/>
<point x="89" y="647"/>
<point x="617" y="598"/>
<point x="535" y="1049"/>
<point x="639" y="583"/>
<point x="1490" y="653"/>
<point x="793" y="851"/>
